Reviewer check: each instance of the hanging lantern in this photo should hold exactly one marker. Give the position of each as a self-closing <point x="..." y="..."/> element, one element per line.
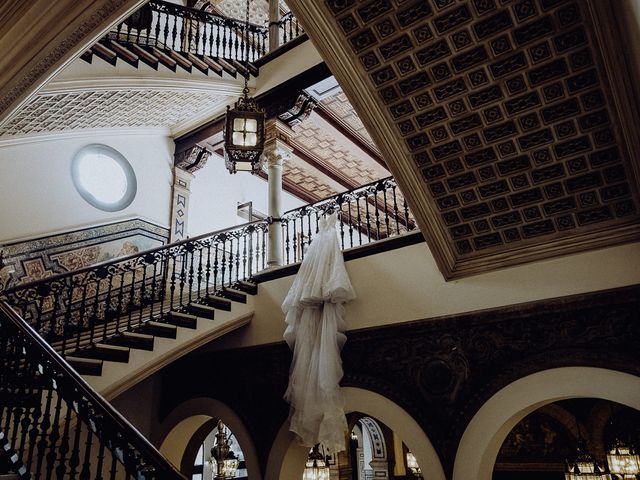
<point x="316" y="467"/>
<point x="244" y="126"/>
<point x="224" y="461"/>
<point x="585" y="467"/>
<point x="412" y="464"/>
<point x="244" y="135"/>
<point x="623" y="461"/>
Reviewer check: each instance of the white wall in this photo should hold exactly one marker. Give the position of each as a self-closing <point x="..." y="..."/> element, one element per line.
<point x="215" y="195"/>
<point x="404" y="284"/>
<point x="37" y="195"/>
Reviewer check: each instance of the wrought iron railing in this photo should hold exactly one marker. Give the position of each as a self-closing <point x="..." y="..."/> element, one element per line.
<point x="366" y="214"/>
<point x="55" y="424"/>
<point x="289" y="27"/>
<point x="167" y="26"/>
<point x="80" y="308"/>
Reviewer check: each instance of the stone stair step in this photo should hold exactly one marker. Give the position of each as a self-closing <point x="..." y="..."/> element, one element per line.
<point x="159" y="329"/>
<point x="145" y="56"/>
<point x="230" y="69"/>
<point x="203" y="311"/>
<point x="85" y="366"/>
<point x="234" y="295"/>
<point x="182" y="319"/>
<point x="135" y="340"/>
<point x="218" y="302"/>
<point x="213" y="65"/>
<point x="124" y="53"/>
<point x="164" y="59"/>
<point x="105" y="351"/>
<point x="105" y="53"/>
<point x="181" y="60"/>
<point x="247" y="287"/>
<point x="198" y="63"/>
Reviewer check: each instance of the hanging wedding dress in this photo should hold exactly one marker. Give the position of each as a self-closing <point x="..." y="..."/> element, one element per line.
<point x="314" y="313"/>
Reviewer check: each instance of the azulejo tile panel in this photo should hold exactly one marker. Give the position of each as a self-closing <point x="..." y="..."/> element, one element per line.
<point x="505" y="107"/>
<point x="42" y="257"/>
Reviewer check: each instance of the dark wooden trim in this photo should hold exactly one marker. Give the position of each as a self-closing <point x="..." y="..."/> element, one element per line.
<point x="355" y="139"/>
<point x="299" y="40"/>
<point x="354" y="253"/>
<point x="200" y="134"/>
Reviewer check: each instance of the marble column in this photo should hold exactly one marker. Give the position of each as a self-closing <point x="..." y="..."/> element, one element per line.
<point x="276" y="153"/>
<point x="274" y="31"/>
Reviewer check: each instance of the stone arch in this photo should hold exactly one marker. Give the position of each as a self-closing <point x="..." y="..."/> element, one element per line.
<point x="492" y="423"/>
<point x="188" y="420"/>
<point x="287" y="457"/>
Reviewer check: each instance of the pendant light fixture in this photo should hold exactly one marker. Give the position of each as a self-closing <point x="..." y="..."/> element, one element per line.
<point x="225" y="462"/>
<point x="584" y="466"/>
<point x="244" y="124"/>
<point x="316" y="467"/>
<point x="623" y="461"/>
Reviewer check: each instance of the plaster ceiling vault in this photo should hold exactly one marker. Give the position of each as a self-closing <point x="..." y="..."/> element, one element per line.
<point x="500" y="120"/>
<point x="108" y="109"/>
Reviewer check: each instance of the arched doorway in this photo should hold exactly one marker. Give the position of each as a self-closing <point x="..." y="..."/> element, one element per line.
<point x="287" y="458"/>
<point x="187" y="427"/>
<point x="490" y="426"/>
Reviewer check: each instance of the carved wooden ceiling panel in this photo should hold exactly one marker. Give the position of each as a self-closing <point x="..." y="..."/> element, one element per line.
<point x="505" y="109"/>
<point x="335" y="153"/>
<point x="342" y="111"/>
<point x="107" y="109"/>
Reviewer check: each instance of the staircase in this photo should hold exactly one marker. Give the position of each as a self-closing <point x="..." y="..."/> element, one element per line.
<point x="162" y="33"/>
<point x="119" y="321"/>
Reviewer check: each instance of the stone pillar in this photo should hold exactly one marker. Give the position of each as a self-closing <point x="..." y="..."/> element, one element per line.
<point x="276" y="152"/>
<point x="274" y="31"/>
<point x="185" y="164"/>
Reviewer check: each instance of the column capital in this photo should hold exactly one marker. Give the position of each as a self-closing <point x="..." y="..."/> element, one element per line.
<point x="277" y="149"/>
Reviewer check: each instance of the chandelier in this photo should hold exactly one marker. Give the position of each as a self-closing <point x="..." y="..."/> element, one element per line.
<point x="585" y="467"/>
<point x="623" y="461"/>
<point x="244" y="125"/>
<point x="316" y="467"/>
<point x="225" y="462"/>
<point x="412" y="465"/>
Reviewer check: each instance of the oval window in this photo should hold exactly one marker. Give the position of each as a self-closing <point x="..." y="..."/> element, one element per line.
<point x="103" y="177"/>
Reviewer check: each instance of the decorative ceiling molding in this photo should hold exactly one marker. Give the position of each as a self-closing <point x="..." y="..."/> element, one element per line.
<point x="108" y="109"/>
<point x="44" y="36"/>
<point x="500" y="120"/>
<point x="96" y="84"/>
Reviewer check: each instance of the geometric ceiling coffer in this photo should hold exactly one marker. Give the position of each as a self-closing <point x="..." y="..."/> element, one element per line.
<point x="506" y="112"/>
<point x="108" y="109"/>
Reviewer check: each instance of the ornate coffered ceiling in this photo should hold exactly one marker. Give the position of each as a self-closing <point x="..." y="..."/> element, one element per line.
<point x="108" y="109"/>
<point x="497" y="117"/>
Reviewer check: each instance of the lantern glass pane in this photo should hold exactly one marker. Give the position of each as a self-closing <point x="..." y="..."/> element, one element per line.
<point x="251" y="139"/>
<point x="238" y="138"/>
<point x="244" y="166"/>
<point x="251" y="125"/>
<point x="238" y="124"/>
<point x="623" y="462"/>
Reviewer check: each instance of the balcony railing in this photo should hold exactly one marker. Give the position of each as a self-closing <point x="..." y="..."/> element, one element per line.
<point x="166" y="26"/>
<point x="78" y="309"/>
<point x="366" y="214"/>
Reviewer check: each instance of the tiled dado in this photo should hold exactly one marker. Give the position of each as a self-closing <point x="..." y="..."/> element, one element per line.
<point x="505" y="107"/>
<point x="42" y="257"/>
